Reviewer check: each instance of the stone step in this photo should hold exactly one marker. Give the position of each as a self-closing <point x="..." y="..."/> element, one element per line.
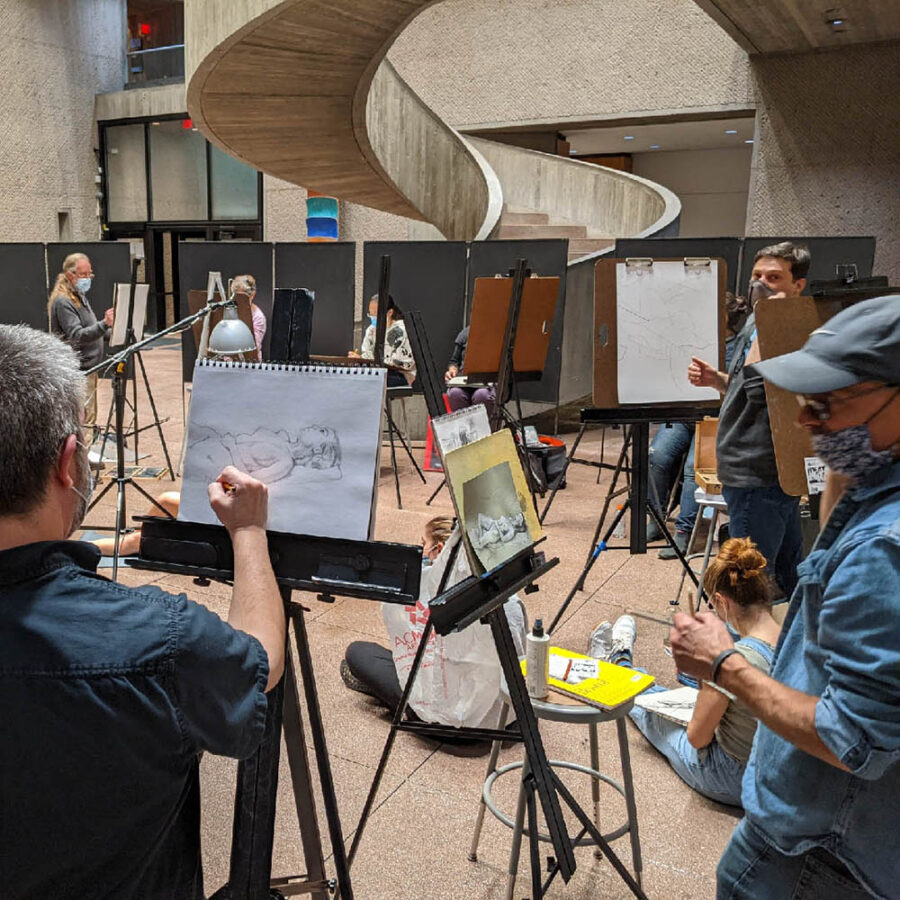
<point x="583" y="246"/>
<point x="538" y="232"/>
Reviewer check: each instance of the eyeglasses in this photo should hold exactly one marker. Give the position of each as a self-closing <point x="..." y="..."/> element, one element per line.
<point x="820" y="405"/>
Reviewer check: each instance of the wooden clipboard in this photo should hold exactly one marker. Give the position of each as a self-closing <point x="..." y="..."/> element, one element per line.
<point x="196" y="302"/>
<point x="490" y="309"/>
<point x="606" y="359"/>
<point x="782" y="326"/>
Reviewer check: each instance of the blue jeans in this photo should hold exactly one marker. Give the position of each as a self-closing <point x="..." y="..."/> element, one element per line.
<point x="710" y="771"/>
<point x="666" y="451"/>
<point x="751" y="869"/>
<point x="771" y="519"/>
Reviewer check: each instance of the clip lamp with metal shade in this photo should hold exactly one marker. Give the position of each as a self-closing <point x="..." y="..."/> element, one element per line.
<point x="231" y="336"/>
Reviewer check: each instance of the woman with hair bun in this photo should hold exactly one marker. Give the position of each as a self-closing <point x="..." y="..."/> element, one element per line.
<point x="711" y="754"/>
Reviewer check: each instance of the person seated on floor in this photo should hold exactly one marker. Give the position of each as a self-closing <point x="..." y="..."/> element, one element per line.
<point x="671" y="442"/>
<point x="459" y="681"/>
<point x="130" y="542"/>
<point x="397" y="351"/>
<point x="710" y="755"/>
<point x="459" y="396"/>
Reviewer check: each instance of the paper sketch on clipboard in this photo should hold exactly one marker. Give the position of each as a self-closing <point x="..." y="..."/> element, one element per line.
<point x="665" y="314"/>
<point x="457" y="429"/>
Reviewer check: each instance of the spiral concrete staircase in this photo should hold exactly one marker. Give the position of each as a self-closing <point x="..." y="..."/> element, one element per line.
<point x="302" y="90"/>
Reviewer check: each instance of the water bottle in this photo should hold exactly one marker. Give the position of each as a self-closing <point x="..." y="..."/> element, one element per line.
<point x="537" y="661"/>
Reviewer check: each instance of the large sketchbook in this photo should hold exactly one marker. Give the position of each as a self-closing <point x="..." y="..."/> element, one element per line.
<point x="311" y="433"/>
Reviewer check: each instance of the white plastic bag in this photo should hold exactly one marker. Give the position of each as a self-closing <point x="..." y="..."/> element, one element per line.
<point x="458" y="683"/>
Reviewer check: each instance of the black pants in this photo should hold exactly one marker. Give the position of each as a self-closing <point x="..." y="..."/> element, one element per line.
<point x="374" y="666"/>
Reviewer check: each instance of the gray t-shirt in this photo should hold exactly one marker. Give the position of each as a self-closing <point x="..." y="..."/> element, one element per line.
<point x="737" y="727"/>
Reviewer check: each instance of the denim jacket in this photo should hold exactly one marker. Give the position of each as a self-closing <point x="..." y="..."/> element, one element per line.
<point x="841" y="643"/>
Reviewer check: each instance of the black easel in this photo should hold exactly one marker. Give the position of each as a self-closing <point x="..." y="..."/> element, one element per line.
<point x="637" y="438"/>
<point x="327" y="567"/>
<point x="135" y="429"/>
<point x="384" y="280"/>
<point x="482" y="598"/>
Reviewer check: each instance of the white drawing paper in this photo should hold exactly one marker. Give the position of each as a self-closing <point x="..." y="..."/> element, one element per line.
<point x="666" y="313"/>
<point x="676" y="705"/>
<point x="815" y="474"/>
<point x="465" y="426"/>
<point x="138" y="312"/>
<point x="311" y="433"/>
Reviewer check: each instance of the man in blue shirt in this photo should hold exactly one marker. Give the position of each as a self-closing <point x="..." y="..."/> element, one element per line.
<point x="822" y="787"/>
<point x="109" y="694"/>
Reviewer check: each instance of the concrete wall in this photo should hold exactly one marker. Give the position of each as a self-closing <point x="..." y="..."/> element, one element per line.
<point x="478" y="62"/>
<point x="55" y="57"/>
<point x="711" y="184"/>
<point x="827" y="154"/>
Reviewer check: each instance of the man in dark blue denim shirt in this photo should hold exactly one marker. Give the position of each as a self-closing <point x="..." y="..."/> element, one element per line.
<point x="822" y="787"/>
<point x="108" y="694"/>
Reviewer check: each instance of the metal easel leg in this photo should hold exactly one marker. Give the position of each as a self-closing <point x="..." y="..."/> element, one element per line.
<point x="156" y="420"/>
<point x="563" y="473"/>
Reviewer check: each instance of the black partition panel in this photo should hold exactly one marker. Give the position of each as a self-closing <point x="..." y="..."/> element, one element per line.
<point x="23" y="298"/>
<point x="826" y="253"/>
<point x="329" y="271"/>
<point x="727" y="248"/>
<point x="110" y="261"/>
<point x="426" y="275"/>
<point x="196" y="259"/>
<point x="545" y="258"/>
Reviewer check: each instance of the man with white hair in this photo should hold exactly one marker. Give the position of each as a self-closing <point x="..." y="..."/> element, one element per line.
<point x="109" y="694"/>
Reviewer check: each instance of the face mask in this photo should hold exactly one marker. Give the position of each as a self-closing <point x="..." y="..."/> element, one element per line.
<point x="85" y="487"/>
<point x="426" y="561"/>
<point x="756" y="290"/>
<point x="849" y="452"/>
<point x="83" y="285"/>
<point x="374" y="321"/>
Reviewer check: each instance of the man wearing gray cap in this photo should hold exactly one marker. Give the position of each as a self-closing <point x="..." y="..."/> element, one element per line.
<point x="822" y="787"/>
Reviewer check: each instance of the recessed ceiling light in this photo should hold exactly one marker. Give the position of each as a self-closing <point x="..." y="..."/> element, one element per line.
<point x="154" y="123"/>
<point x="629" y="137"/>
<point x="654" y="146"/>
<point x="748" y="141"/>
<point x="731" y="131"/>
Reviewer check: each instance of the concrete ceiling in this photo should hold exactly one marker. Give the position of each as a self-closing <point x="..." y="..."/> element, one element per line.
<point x="795" y="26"/>
<point x="663" y="136"/>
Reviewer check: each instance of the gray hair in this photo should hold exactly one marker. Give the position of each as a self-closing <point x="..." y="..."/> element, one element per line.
<point x="243" y="284"/>
<point x="41" y="403"/>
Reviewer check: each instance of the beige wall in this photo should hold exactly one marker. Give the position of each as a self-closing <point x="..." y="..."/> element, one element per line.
<point x="827" y="155"/>
<point x="55" y="57"/>
<point x="711" y="185"/>
<point x="477" y="62"/>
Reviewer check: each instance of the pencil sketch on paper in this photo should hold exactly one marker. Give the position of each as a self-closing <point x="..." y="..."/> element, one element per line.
<point x="314" y="454"/>
<point x="494" y="516"/>
<point x="665" y="314"/>
<point x="676" y="705"/>
<point x="461" y="428"/>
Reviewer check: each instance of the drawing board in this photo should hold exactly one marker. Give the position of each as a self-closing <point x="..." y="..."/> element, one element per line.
<point x="487" y="326"/>
<point x="23" y="265"/>
<point x="311" y="433"/>
<point x="650" y="318"/>
<point x="465" y="426"/>
<point x="492" y="500"/>
<point x="783" y="326"/>
<point x="675" y="705"/>
<point x="121" y="298"/>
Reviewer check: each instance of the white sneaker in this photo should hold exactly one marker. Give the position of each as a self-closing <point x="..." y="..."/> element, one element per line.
<point x="623" y="634"/>
<point x="601" y="641"/>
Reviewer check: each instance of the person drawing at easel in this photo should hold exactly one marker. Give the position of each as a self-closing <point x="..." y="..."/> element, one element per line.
<point x="72" y="319"/>
<point x="397" y="352"/>
<point x="458" y="396"/>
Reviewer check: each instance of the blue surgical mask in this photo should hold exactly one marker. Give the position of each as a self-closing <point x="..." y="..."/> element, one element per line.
<point x="374" y="321"/>
<point x="849" y="452"/>
<point x="83" y="285"/>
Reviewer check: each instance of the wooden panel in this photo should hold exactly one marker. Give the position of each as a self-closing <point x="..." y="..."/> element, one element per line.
<point x="782" y="327"/>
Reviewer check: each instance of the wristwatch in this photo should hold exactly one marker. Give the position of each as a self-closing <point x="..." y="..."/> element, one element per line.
<point x="717" y="662"/>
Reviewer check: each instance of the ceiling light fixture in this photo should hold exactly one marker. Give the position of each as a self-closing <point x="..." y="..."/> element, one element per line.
<point x="654" y="146"/>
<point x="748" y="141"/>
<point x="731" y="131"/>
<point x="629" y="137"/>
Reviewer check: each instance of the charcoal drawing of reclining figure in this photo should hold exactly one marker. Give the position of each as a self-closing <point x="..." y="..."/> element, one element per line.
<point x="271" y="456"/>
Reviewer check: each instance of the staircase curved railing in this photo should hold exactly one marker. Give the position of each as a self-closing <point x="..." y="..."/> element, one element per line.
<point x="302" y="91"/>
